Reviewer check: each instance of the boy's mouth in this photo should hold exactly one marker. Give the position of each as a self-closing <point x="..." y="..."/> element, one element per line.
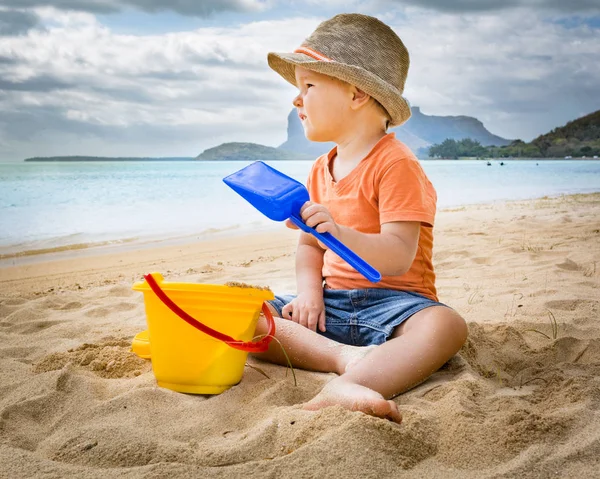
<point x="302" y="116"/>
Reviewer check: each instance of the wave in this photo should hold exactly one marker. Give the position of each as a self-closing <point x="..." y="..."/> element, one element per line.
<point x="62" y="244"/>
<point x="66" y="247"/>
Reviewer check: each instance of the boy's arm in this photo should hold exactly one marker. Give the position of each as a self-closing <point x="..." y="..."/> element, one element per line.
<point x="309" y="265"/>
<point x="391" y="252"/>
<point x="307" y="308"/>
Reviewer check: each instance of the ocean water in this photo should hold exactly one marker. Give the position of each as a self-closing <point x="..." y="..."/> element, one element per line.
<point x="50" y="206"/>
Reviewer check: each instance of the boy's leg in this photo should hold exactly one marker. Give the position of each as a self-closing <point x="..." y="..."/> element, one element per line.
<point x="420" y="346"/>
<point x="307" y="349"/>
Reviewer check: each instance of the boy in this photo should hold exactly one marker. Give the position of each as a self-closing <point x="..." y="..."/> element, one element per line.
<point x="371" y="193"/>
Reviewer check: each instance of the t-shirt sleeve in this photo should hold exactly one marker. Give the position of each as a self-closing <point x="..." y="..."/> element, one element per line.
<point x="406" y="194"/>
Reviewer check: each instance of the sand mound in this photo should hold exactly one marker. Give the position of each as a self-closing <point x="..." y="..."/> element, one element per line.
<point x="111" y="358"/>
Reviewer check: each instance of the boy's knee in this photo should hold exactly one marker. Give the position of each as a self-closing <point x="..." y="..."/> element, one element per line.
<point x="449" y="323"/>
<point x="459" y="327"/>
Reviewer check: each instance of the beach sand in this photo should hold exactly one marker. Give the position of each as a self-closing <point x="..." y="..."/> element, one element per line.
<point x="521" y="399"/>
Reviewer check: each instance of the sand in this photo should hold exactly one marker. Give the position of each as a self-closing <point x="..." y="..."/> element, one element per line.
<point x="521" y="399"/>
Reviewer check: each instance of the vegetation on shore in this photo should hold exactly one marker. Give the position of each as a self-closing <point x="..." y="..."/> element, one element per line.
<point x="578" y="138"/>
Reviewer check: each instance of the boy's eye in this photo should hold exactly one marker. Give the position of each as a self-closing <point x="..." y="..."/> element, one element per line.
<point x="308" y="85"/>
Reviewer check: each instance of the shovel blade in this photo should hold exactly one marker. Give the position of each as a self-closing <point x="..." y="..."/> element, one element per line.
<point x="271" y="192"/>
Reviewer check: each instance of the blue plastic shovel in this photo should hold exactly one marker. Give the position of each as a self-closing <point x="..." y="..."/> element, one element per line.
<point x="280" y="197"/>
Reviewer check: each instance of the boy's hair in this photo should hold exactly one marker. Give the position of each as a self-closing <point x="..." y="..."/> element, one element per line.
<point x="384" y="112"/>
<point x="360" y="50"/>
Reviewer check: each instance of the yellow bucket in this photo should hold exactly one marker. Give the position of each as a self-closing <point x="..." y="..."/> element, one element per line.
<point x="200" y="334"/>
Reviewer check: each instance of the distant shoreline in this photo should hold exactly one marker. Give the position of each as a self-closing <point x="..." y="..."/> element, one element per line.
<point x="463" y="158"/>
<point x="84" y="159"/>
<point x="102" y="158"/>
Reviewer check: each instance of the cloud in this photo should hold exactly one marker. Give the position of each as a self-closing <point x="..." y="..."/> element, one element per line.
<point x="203" y="8"/>
<point x="466" y="6"/>
<point x="39" y="83"/>
<point x="77" y="87"/>
<point x="522" y="75"/>
<point x="200" y="8"/>
<point x="15" y="22"/>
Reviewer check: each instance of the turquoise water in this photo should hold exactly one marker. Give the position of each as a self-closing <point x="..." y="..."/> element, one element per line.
<point x="49" y="205"/>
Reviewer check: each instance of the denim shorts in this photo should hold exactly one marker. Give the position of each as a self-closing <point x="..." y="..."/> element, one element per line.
<point x="364" y="317"/>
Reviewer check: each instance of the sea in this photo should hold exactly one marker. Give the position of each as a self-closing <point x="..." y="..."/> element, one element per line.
<point x="49" y="207"/>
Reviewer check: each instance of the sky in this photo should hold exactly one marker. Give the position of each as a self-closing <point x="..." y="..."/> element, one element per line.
<point x="175" y="77"/>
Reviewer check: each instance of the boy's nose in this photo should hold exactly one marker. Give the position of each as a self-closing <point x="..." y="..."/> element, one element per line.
<point x="297" y="102"/>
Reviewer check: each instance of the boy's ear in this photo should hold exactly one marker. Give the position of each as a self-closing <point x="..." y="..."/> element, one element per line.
<point x="359" y="97"/>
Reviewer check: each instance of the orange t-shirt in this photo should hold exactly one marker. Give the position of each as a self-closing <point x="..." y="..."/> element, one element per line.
<point x="387" y="185"/>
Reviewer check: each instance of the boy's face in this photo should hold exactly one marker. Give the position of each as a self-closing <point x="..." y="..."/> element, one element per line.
<point x="323" y="104"/>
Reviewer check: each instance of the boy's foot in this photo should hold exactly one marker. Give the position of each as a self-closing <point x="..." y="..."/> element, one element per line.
<point x="354" y="397"/>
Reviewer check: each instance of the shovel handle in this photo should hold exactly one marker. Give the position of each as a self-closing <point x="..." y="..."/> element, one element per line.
<point x="341" y="250"/>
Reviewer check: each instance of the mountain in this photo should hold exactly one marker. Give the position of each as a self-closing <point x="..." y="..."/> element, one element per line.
<point x="435" y="129"/>
<point x="249" y="152"/>
<point x="418" y="133"/>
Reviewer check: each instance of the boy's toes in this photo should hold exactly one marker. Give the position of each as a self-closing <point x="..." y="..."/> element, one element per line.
<point x="387" y="410"/>
<point x="355" y="398"/>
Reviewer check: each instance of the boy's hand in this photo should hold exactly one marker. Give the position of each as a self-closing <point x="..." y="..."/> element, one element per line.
<point x="319" y="218"/>
<point x="307" y="309"/>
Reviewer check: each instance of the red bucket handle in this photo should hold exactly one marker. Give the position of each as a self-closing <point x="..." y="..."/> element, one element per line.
<point x="258" y="347"/>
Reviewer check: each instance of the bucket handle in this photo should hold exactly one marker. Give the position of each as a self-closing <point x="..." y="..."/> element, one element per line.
<point x="252" y="347"/>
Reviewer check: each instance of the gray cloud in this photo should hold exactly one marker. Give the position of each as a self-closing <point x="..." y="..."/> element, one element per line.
<point x="27" y="124"/>
<point x="464" y="6"/>
<point x="172" y="75"/>
<point x="24" y="123"/>
<point x="205" y="98"/>
<point x="206" y="8"/>
<point x="200" y="8"/>
<point x="15" y="22"/>
<point x="154" y="95"/>
<point x="45" y="131"/>
<point x="40" y="83"/>
<point x="520" y="74"/>
<point x="82" y="88"/>
<point x="92" y="6"/>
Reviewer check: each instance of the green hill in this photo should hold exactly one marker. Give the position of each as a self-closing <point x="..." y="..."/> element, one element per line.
<point x="578" y="138"/>
<point x="248" y="152"/>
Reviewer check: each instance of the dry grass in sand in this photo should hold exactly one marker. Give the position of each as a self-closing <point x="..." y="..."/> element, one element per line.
<point x="521" y="399"/>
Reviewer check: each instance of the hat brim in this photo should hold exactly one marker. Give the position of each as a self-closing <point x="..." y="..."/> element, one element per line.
<point x="390" y="98"/>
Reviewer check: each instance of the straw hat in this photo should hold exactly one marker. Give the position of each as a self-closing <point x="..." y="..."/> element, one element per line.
<point x="357" y="49"/>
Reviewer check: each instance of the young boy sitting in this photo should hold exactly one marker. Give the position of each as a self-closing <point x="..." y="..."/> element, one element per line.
<point x="371" y="193"/>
